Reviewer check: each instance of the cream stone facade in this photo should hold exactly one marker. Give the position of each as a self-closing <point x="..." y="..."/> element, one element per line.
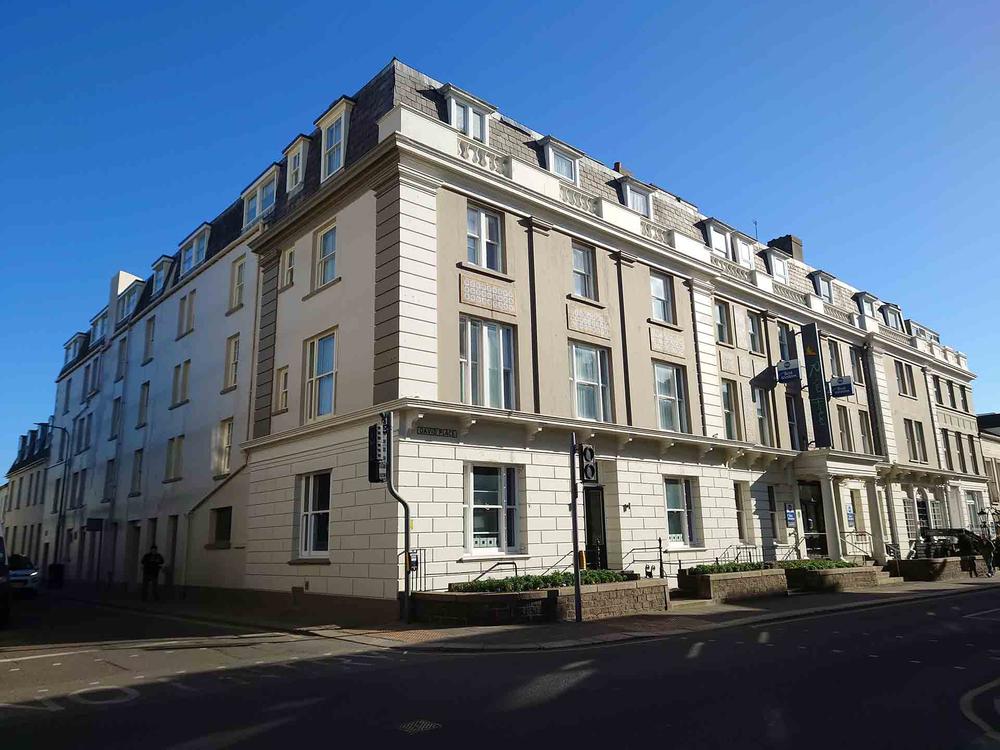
<point x="499" y="291"/>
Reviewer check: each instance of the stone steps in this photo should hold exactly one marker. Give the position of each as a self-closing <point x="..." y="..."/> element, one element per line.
<point x="885" y="578"/>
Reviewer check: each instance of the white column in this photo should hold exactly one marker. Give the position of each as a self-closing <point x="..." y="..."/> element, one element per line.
<point x="830" y="487"/>
<point x="708" y="356"/>
<point x="875" y="525"/>
<point x="884" y="408"/>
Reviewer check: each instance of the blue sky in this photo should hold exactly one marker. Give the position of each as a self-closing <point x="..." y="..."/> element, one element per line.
<point x="868" y="129"/>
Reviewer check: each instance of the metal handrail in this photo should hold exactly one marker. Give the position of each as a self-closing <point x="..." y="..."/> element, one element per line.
<point x="497" y="565"/>
<point x="659" y="556"/>
<point x="863" y="534"/>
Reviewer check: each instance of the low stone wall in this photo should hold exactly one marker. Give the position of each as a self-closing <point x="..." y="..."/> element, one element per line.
<point x="599" y="601"/>
<point x="834" y="579"/>
<point x="728" y="587"/>
<point x="939" y="568"/>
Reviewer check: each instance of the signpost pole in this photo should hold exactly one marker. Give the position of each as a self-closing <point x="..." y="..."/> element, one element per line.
<point x="387" y="426"/>
<point x="576" y="528"/>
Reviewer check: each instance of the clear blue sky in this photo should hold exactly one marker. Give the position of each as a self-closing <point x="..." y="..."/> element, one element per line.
<point x="868" y="129"/>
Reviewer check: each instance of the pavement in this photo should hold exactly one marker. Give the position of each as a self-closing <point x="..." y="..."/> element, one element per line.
<point x="685" y="616"/>
<point x="920" y="670"/>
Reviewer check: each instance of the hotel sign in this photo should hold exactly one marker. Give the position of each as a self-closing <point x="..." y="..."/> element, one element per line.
<point x="816" y="384"/>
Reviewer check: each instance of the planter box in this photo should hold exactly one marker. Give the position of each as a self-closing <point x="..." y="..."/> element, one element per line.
<point x="939" y="568"/>
<point x="728" y="587"/>
<point x="599" y="601"/>
<point x="834" y="579"/>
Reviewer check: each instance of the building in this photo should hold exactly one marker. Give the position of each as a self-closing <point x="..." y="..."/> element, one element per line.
<point x="497" y="289"/>
<point x="23" y="503"/>
<point x="989" y="433"/>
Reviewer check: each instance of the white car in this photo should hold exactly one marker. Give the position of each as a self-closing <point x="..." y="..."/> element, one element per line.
<point x="24" y="576"/>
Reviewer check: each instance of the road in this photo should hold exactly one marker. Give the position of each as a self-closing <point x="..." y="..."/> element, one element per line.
<point x="918" y="675"/>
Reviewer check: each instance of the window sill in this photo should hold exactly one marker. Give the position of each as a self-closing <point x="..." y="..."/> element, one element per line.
<point x="227" y="389"/>
<point x="310" y="561"/>
<point x="323" y="288"/>
<point x="475" y="268"/>
<point x="171" y="481"/>
<point x="758" y="354"/>
<point x="118" y="379"/>
<point x="279" y="411"/>
<point x="663" y="324"/>
<point x="907" y="395"/>
<point x="220" y="477"/>
<point x="586" y="301"/>
<point x="232" y="310"/>
<point x="140" y="425"/>
<point x="725" y="344"/>
<point x="178" y="404"/>
<point x="285" y="287"/>
<point x="134" y="494"/>
<point x="190" y="330"/>
<point x="218" y="545"/>
<point x="145" y="362"/>
<point x="685" y="549"/>
<point x="491" y="556"/>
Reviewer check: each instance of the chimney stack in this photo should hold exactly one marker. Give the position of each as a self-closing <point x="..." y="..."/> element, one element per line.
<point x="622" y="169"/>
<point x="788" y="244"/>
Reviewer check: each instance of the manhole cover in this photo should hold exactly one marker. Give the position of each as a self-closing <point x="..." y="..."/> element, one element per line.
<point x="418" y="726"/>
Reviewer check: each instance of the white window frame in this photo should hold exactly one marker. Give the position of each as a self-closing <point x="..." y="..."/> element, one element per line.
<point x="633" y="193"/>
<point x="506" y="507"/>
<point x="143" y="411"/>
<point x="185" y="314"/>
<point x="237" y="283"/>
<point x="180" y="383"/>
<point x="762" y="410"/>
<point x="904" y="379"/>
<point x="477" y="238"/>
<point x="786" y="342"/>
<point x="892" y="317"/>
<point x="315" y="378"/>
<point x="584" y="278"/>
<point x="824" y="288"/>
<point x="744" y="515"/>
<point x="193" y="251"/>
<point x="732" y="410"/>
<point x="844" y="428"/>
<point x="288" y="267"/>
<point x="601" y="386"/>
<point x="326" y="258"/>
<point x="836" y="361"/>
<point x="718" y="240"/>
<point x="309" y="513"/>
<point x="148" y="338"/>
<point x="755" y="331"/>
<point x="723" y="328"/>
<point x="175" y="459"/>
<point x="779" y="268"/>
<point x="338" y="114"/>
<point x="866" y="434"/>
<point x="231" y="375"/>
<point x="857" y="365"/>
<point x="743" y="252"/>
<point x="295" y="167"/>
<point x="472" y="115"/>
<point x="675" y="402"/>
<point x="135" y="481"/>
<point x="687" y="513"/>
<point x="253" y="199"/>
<point x="487" y="374"/>
<point x="665" y="301"/>
<point x="223" y="461"/>
<point x="281" y="389"/>
<point x="794" y="429"/>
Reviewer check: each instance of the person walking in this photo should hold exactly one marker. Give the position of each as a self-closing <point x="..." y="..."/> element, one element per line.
<point x="152" y="561"/>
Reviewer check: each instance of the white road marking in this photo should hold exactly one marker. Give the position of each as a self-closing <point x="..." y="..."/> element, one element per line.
<point x="48" y="656"/>
<point x="837" y="651"/>
<point x="966" y="705"/>
<point x="14" y="669"/>
<point x="229" y="738"/>
<point x="46" y="705"/>
<point x="57" y="664"/>
<point x="984" y="612"/>
<point x="914" y="661"/>
<point x="695" y="650"/>
<point x="764" y="637"/>
<point x="294" y="704"/>
<point x="959" y="668"/>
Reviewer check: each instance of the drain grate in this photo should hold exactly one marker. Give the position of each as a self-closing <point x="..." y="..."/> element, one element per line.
<point x="419" y="725"/>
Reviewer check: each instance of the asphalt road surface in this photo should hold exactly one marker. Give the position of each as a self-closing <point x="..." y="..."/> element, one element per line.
<point x="918" y="675"/>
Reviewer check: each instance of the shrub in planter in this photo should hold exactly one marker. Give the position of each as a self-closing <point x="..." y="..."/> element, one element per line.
<point x="731" y="567"/>
<point x="536" y="583"/>
<point x="815" y="564"/>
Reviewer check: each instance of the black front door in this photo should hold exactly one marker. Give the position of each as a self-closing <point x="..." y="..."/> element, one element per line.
<point x="813" y="520"/>
<point x="595" y="528"/>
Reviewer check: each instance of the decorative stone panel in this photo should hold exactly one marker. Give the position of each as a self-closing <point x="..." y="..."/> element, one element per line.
<point x="728" y="361"/>
<point x="486" y="158"/>
<point x="666" y="341"/>
<point x="481" y="293"/>
<point x="585" y="319"/>
<point x="580" y="200"/>
<point x="655" y="233"/>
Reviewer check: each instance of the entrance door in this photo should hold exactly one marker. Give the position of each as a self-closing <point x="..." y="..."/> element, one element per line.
<point x="923" y="514"/>
<point x="813" y="521"/>
<point x="132" y="552"/>
<point x="595" y="528"/>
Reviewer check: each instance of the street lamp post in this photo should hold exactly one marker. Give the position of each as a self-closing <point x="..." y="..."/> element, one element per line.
<point x="56" y="568"/>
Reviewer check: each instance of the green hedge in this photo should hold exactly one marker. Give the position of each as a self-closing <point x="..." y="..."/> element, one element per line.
<point x="536" y="583"/>
<point x="815" y="564"/>
<point x="732" y="567"/>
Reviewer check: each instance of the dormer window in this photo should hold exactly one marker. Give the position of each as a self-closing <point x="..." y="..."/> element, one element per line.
<point x="258" y="201"/>
<point x="719" y="241"/>
<point x="333" y="125"/>
<point x="779" y="267"/>
<point x="468" y="114"/>
<point x="193" y="251"/>
<point x="743" y="251"/>
<point x="160" y="270"/>
<point x="637" y="198"/>
<point x="98" y="328"/>
<point x="823" y="284"/>
<point x="561" y="159"/>
<point x="295" y="164"/>
<point x="892" y="317"/>
<point x="127" y="302"/>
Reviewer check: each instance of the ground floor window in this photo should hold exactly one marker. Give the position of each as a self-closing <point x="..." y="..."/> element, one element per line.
<point x="973" y="504"/>
<point x="680" y="512"/>
<point x="314" y="527"/>
<point x="491" y="509"/>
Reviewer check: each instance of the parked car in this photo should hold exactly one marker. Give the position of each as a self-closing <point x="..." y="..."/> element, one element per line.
<point x="23" y="575"/>
<point x="4" y="585"/>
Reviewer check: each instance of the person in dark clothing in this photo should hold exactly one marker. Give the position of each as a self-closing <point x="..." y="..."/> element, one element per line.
<point x="152" y="561"/>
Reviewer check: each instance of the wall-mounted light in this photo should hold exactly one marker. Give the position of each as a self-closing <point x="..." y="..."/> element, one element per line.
<point x="626" y="507"/>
